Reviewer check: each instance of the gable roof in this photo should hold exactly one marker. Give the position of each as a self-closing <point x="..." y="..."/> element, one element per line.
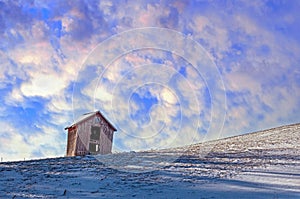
<point x="86" y="116"/>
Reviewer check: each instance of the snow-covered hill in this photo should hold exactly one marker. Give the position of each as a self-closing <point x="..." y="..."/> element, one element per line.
<point x="264" y="164"/>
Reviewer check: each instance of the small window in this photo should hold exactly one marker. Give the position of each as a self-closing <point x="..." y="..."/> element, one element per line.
<point x="95" y="133"/>
<point x="97" y="119"/>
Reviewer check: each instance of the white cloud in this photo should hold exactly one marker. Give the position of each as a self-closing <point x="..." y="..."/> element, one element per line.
<point x="13" y="145"/>
<point x="200" y="23"/>
<point x="17" y="146"/>
<point x="239" y="81"/>
<point x="43" y="85"/>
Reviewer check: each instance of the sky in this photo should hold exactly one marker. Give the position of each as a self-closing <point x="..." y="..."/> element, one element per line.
<point x="165" y="73"/>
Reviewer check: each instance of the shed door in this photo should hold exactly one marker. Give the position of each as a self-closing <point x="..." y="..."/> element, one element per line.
<point x="94" y="139"/>
<point x="93" y="147"/>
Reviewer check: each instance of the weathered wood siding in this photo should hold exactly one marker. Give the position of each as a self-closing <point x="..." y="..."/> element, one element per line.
<point x="71" y="145"/>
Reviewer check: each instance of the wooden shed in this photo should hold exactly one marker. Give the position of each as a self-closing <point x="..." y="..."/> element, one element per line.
<point x="90" y="134"/>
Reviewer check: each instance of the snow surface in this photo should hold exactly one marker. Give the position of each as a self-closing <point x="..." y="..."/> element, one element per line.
<point x="265" y="164"/>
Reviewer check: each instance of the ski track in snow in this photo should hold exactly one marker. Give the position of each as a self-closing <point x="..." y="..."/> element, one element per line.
<point x="265" y="164"/>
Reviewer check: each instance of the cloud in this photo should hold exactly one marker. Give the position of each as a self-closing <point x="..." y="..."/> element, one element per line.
<point x="254" y="70"/>
<point x="16" y="146"/>
<point x="168" y="96"/>
<point x="149" y="103"/>
<point x="13" y="144"/>
<point x="43" y="85"/>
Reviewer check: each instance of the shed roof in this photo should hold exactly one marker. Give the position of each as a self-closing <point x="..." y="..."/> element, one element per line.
<point x="89" y="115"/>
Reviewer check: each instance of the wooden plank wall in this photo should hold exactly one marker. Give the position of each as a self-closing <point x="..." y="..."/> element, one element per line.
<point x="71" y="145"/>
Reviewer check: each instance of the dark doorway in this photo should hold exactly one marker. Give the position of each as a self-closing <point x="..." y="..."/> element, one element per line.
<point x="93" y="148"/>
